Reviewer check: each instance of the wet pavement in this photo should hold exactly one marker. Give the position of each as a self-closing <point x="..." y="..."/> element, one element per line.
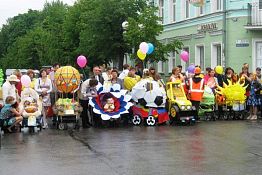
<point x="221" y="147"/>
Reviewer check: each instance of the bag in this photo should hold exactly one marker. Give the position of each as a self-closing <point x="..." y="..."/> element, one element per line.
<point x="50" y="112"/>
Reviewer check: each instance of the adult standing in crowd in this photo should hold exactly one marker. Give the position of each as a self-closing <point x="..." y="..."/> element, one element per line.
<point x="31" y="75"/>
<point x="43" y="87"/>
<point x="196" y="89"/>
<point x="124" y="73"/>
<point x="54" y="92"/>
<point x="244" y="76"/>
<point x="115" y="79"/>
<point x="176" y="75"/>
<point x="18" y="86"/>
<point x="107" y="74"/>
<point x="9" y="88"/>
<point x="88" y="89"/>
<point x="131" y="79"/>
<point x="97" y="74"/>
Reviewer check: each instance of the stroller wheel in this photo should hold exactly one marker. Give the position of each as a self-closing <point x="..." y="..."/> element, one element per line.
<point x="137" y="120"/>
<point x="150" y="121"/>
<point x="62" y="126"/>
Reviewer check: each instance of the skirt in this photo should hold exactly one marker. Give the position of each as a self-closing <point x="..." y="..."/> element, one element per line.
<point x="254" y="100"/>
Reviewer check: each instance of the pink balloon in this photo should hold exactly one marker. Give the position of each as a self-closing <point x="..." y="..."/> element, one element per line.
<point x="184" y="56"/>
<point x="144" y="47"/>
<point x="81" y="61"/>
<point x="25" y="80"/>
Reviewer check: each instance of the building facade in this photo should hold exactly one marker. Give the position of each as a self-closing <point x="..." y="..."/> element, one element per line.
<point x="221" y="32"/>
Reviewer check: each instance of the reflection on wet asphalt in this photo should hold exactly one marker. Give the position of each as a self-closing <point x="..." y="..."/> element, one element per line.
<point x="222" y="147"/>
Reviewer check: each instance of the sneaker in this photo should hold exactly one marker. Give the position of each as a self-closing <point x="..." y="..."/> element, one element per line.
<point x="249" y="117"/>
<point x="45" y="126"/>
<point x="254" y="117"/>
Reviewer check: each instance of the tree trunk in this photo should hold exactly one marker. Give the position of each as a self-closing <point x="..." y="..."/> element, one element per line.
<point x="120" y="61"/>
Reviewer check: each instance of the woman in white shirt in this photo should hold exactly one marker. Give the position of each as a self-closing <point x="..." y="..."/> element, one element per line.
<point x="43" y="86"/>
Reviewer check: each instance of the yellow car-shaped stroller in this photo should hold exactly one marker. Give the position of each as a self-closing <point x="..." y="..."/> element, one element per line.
<point x="179" y="107"/>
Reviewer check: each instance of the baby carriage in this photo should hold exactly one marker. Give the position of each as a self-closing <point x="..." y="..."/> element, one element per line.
<point x="32" y="113"/>
<point x="67" y="110"/>
<point x="31" y="105"/>
<point x="109" y="106"/>
<point x="207" y="105"/>
<point x="150" y="99"/>
<point x="231" y="100"/>
<point x="180" y="108"/>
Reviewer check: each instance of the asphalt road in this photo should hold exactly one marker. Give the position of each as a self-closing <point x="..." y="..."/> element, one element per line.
<point x="221" y="147"/>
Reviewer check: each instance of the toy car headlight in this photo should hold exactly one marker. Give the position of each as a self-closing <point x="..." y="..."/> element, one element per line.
<point x="188" y="107"/>
<point x="183" y="107"/>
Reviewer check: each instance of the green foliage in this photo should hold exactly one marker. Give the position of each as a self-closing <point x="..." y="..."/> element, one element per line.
<point x="59" y="33"/>
<point x="1" y="77"/>
<point x="147" y="27"/>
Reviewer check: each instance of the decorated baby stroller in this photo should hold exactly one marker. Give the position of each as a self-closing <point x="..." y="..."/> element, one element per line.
<point x="179" y="107"/>
<point x="207" y="105"/>
<point x="31" y="106"/>
<point x="67" y="110"/>
<point x="150" y="99"/>
<point x="109" y="105"/>
<point x="233" y="99"/>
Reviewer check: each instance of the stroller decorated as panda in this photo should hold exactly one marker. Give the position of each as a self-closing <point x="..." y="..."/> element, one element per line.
<point x="150" y="99"/>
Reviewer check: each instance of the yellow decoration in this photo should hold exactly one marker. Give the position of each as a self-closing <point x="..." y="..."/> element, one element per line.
<point x="233" y="92"/>
<point x="67" y="79"/>
<point x="219" y="70"/>
<point x="130" y="82"/>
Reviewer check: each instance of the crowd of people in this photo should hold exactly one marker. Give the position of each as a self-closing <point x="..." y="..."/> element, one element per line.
<point x="193" y="83"/>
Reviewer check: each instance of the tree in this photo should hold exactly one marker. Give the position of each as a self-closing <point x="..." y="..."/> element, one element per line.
<point x="100" y="28"/>
<point x="147" y="27"/>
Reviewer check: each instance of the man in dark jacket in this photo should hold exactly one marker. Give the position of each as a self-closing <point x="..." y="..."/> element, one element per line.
<point x="98" y="74"/>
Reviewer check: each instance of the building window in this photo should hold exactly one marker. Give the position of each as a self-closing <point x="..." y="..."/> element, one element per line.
<point x="260" y="4"/>
<point x="219" y="6"/>
<point x="219" y="55"/>
<point x="200" y="56"/>
<point x="201" y="10"/>
<point x="161" y="9"/>
<point x="187" y="9"/>
<point x="216" y="5"/>
<point x="173" y="10"/>
<point x="160" y="66"/>
<point x="171" y="61"/>
<point x="216" y="54"/>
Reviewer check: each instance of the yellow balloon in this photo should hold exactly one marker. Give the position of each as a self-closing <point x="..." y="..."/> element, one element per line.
<point x="219" y="70"/>
<point x="140" y="55"/>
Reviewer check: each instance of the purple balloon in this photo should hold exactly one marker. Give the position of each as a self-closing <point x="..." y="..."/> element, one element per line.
<point x="184" y="56"/>
<point x="191" y="69"/>
<point x="81" y="61"/>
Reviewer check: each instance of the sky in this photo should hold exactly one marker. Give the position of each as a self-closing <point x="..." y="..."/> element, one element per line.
<point x="11" y="8"/>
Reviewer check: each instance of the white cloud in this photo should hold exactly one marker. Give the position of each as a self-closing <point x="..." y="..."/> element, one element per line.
<point x="11" y="8"/>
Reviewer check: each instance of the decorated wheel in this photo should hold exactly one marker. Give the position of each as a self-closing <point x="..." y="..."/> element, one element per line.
<point x="62" y="126"/>
<point x="151" y="121"/>
<point x="137" y="120"/>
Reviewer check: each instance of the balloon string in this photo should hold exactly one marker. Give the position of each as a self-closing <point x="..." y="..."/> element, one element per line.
<point x="84" y="73"/>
